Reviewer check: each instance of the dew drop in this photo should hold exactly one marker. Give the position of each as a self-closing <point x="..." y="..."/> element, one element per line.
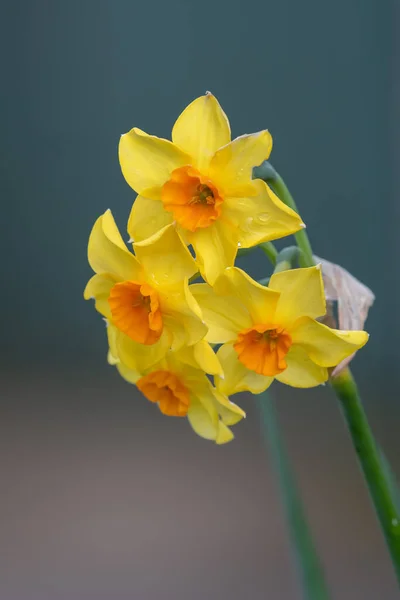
<point x="263" y="217"/>
<point x="240" y="202"/>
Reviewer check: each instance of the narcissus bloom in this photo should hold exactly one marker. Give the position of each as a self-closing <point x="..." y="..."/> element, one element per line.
<point x="146" y="295"/>
<point x="271" y="332"/>
<point x="182" y="390"/>
<point x="202" y="182"/>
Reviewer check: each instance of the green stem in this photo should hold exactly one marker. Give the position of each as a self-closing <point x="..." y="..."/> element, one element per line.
<point x="271" y="252"/>
<point x="287" y="259"/>
<point x="279" y="187"/>
<point x="275" y="181"/>
<point x="309" y="566"/>
<point x="370" y="462"/>
<point x="353" y="412"/>
<point x="245" y="251"/>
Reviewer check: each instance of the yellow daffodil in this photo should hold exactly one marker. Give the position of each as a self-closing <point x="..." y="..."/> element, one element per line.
<point x="271" y="332"/>
<point x="181" y="390"/>
<point x="145" y="296"/>
<point x="202" y="182"/>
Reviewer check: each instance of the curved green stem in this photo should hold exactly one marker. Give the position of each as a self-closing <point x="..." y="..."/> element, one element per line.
<point x="270" y="251"/>
<point x="267" y="247"/>
<point x="275" y="181"/>
<point x="280" y="189"/>
<point x="308" y="563"/>
<point x="370" y="461"/>
<point x="287" y="258"/>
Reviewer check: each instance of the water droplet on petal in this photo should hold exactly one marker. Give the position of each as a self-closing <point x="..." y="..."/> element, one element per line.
<point x="263" y="217"/>
<point x="241" y="202"/>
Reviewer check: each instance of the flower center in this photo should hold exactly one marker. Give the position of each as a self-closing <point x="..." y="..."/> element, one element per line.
<point x="263" y="348"/>
<point x="165" y="389"/>
<point x="192" y="199"/>
<point x="136" y="311"/>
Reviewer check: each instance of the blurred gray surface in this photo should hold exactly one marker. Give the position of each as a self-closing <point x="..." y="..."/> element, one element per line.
<point x="105" y="498"/>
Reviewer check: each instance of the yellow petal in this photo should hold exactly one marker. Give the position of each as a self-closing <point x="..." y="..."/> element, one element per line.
<point x="203" y="414"/>
<point x="201" y="129"/>
<point x="139" y="357"/>
<point x="181" y="315"/>
<point x="230" y="412"/>
<point x="261" y="217"/>
<point x="111" y="359"/>
<point x="224" y="434"/>
<point x="231" y="168"/>
<point x="200" y="356"/>
<point x="206" y="404"/>
<point x="112" y="334"/>
<point x="237" y="378"/>
<point x="98" y="288"/>
<point x="107" y="252"/>
<point x="301" y="371"/>
<point x="325" y="346"/>
<point x="216" y="248"/>
<point x="203" y="417"/>
<point x="148" y="161"/>
<point x="225" y="316"/>
<point x="130" y="375"/>
<point x="302" y="294"/>
<point x="260" y="301"/>
<point x="146" y="218"/>
<point x="206" y="358"/>
<point x="165" y="258"/>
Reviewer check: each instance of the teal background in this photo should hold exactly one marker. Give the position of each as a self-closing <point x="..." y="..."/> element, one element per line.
<point x="103" y="497"/>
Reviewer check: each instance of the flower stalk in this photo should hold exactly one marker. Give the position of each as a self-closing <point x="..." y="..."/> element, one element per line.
<point x="275" y="181"/>
<point x="287" y="258"/>
<point x="270" y="251"/>
<point x="353" y="412"/>
<point x="308" y="563"/>
<point x="370" y="460"/>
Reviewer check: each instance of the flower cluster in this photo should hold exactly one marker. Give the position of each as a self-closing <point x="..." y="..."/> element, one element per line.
<point x="198" y="191"/>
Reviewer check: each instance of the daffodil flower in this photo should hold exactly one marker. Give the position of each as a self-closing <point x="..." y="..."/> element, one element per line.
<point x="182" y="390"/>
<point x="271" y="332"/>
<point x="202" y="182"/>
<point x="145" y="296"/>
